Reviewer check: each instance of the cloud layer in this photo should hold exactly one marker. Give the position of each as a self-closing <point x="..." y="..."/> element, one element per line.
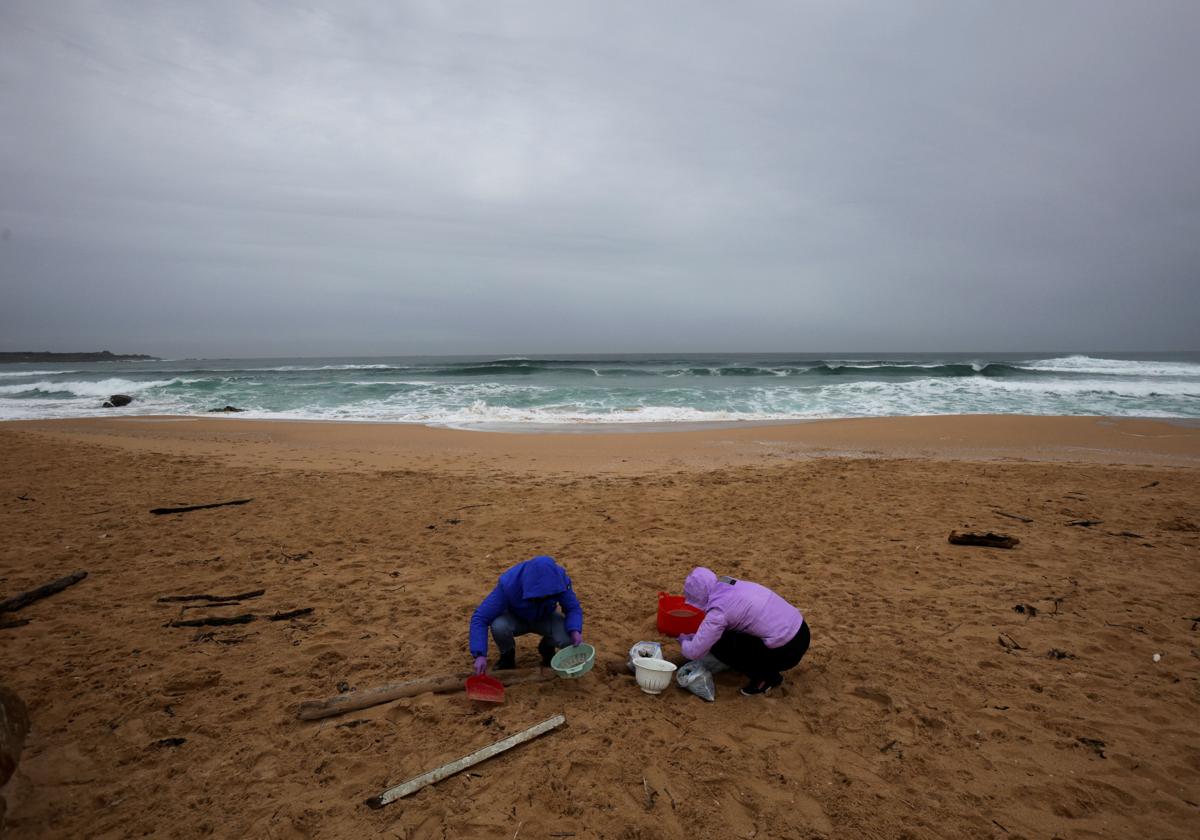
<point x="253" y="178"/>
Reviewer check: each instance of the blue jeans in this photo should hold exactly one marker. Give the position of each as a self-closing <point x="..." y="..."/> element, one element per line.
<point x="507" y="627"/>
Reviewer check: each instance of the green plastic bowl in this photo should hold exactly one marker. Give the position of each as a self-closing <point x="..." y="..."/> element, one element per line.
<point x="573" y="662"/>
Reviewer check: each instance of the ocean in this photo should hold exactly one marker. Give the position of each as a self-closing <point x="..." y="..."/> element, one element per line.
<point x="491" y="392"/>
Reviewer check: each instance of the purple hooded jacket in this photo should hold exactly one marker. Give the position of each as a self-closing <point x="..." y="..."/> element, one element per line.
<point x="738" y="605"/>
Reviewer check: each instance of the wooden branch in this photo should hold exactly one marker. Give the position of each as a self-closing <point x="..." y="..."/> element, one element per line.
<point x="446" y="770"/>
<point x="1016" y="516"/>
<point x="186" y="508"/>
<point x="284" y="616"/>
<point x="367" y="697"/>
<point x="26" y="598"/>
<point x="988" y="540"/>
<point x="15" y="622"/>
<point x="214" y="621"/>
<point x="208" y="605"/>
<point x="1085" y="523"/>
<point x="241" y="596"/>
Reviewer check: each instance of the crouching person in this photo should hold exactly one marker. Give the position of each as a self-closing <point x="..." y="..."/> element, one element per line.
<point x="747" y="627"/>
<point x="527" y="599"/>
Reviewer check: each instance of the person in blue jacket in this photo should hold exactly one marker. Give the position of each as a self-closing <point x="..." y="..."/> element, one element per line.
<point x="526" y="600"/>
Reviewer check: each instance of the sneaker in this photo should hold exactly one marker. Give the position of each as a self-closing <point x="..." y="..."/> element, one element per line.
<point x="762" y="686"/>
<point x="507" y="660"/>
<point x="547" y="650"/>
<point x="755" y="687"/>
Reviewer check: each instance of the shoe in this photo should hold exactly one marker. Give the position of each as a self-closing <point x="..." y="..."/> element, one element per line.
<point x="762" y="686"/>
<point x="507" y="660"/>
<point x="547" y="650"/>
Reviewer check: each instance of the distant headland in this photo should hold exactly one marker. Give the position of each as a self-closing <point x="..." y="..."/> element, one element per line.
<point x="102" y="356"/>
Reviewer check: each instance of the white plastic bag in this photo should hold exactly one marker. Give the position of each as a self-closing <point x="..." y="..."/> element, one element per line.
<point x="644" y="650"/>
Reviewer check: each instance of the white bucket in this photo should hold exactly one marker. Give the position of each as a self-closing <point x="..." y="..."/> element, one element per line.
<point x="653" y="675"/>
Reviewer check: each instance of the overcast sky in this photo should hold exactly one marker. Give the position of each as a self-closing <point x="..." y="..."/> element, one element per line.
<point x="258" y="178"/>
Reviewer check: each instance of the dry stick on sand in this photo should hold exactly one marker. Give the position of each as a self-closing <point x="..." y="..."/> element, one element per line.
<point x="242" y="596"/>
<point x="214" y="621"/>
<point x="16" y="622"/>
<point x="988" y="540"/>
<point x="26" y="598"/>
<point x="446" y="770"/>
<point x="1016" y="516"/>
<point x="284" y="616"/>
<point x="220" y="621"/>
<point x="186" y="508"/>
<point x="367" y="697"/>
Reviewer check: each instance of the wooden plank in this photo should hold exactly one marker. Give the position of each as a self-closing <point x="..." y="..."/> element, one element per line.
<point x="457" y="766"/>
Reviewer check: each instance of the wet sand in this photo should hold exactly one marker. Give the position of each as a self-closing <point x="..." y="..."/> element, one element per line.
<point x="928" y="705"/>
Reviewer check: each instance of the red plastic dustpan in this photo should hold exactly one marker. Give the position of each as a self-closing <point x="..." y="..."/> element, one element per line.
<point x="485" y="688"/>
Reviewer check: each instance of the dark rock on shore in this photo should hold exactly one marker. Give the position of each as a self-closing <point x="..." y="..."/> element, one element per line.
<point x="117" y="400"/>
<point x="227" y="409"/>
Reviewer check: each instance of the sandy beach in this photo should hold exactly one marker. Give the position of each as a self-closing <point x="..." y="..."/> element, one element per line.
<point x="950" y="691"/>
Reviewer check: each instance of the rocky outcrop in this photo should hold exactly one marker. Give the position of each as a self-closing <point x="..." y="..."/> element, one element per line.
<point x="229" y="409"/>
<point x="117" y="400"/>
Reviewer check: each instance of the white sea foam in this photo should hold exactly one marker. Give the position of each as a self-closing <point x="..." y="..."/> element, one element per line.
<point x="83" y="388"/>
<point x="1113" y="367"/>
<point x="16" y="373"/>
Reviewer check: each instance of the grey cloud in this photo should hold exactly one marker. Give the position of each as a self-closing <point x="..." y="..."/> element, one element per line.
<point x="246" y="178"/>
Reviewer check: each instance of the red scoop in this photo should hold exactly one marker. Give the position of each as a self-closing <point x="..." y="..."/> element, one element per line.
<point x="485" y="688"/>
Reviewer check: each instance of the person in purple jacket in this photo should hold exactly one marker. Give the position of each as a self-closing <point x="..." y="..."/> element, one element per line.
<point x="747" y="626"/>
<point x="526" y="600"/>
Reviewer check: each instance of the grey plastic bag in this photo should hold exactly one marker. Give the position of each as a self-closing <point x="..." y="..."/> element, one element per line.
<point x="713" y="664"/>
<point x="697" y="679"/>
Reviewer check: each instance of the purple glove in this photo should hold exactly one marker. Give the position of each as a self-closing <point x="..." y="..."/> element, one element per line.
<point x="576" y="637"/>
<point x="480" y="664"/>
<point x="686" y="637"/>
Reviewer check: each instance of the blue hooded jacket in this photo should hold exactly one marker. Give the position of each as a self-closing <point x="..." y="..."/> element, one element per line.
<point x="514" y="593"/>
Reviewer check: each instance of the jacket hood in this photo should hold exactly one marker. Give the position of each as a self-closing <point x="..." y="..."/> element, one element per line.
<point x="541" y="576"/>
<point x="699" y="586"/>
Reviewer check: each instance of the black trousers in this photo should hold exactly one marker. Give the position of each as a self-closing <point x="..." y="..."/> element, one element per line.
<point x="746" y="653"/>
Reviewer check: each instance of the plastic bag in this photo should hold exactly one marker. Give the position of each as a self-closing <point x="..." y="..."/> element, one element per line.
<point x="713" y="664"/>
<point x="697" y="679"/>
<point x="644" y="650"/>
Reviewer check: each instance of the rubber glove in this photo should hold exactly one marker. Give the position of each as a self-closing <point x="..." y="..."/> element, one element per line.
<point x="576" y="637"/>
<point x="480" y="664"/>
<point x="686" y="637"/>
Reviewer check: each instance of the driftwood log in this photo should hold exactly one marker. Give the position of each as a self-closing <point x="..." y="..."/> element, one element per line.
<point x="284" y="616"/>
<point x="354" y="700"/>
<point x="241" y="596"/>
<point x="221" y="620"/>
<point x="186" y="508"/>
<point x="214" y="621"/>
<point x="14" y="724"/>
<point x="26" y="598"/>
<point x="989" y="539"/>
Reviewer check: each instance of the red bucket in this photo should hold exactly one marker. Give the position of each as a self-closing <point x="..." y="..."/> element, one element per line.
<point x="675" y="617"/>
